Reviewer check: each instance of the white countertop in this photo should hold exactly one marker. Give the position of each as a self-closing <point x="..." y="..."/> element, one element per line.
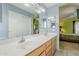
<point x="20" y="49"/>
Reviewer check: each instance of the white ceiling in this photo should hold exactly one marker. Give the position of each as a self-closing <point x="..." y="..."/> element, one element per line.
<point x="21" y="6"/>
<point x="49" y="4"/>
<point x="31" y="10"/>
<point x="68" y="10"/>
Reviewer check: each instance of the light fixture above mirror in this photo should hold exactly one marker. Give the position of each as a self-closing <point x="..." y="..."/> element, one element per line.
<point x="36" y="6"/>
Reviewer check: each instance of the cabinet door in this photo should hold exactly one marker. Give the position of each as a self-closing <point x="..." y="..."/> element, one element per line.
<point x="49" y="48"/>
<point x="53" y="45"/>
<point x="48" y="43"/>
<point x="49" y="53"/>
<point x="43" y="54"/>
<point x="37" y="51"/>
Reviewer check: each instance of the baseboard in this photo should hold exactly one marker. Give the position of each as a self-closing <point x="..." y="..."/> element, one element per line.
<point x="73" y="41"/>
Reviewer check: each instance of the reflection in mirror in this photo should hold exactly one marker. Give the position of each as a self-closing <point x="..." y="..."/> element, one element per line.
<point x="19" y="24"/>
<point x="52" y="23"/>
<point x="35" y="21"/>
<point x="44" y="23"/>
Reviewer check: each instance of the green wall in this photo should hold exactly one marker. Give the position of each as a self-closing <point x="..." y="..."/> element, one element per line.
<point x="67" y="25"/>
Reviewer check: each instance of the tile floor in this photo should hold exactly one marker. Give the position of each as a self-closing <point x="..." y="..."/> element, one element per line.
<point x="68" y="49"/>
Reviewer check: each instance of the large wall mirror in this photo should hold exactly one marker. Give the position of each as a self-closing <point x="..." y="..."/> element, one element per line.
<point x="19" y="24"/>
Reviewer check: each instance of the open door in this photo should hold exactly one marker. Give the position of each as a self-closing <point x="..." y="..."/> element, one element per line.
<point x="76" y="27"/>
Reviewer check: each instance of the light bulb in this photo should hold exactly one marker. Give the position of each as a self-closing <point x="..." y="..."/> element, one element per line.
<point x="26" y="4"/>
<point x="38" y="11"/>
<point x="43" y="10"/>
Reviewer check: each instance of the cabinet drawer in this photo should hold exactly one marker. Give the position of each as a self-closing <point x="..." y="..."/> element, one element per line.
<point x="53" y="46"/>
<point x="43" y="54"/>
<point x="48" y="49"/>
<point x="48" y="43"/>
<point x="53" y="41"/>
<point x="37" y="51"/>
<point x="49" y="53"/>
<point x="53" y="51"/>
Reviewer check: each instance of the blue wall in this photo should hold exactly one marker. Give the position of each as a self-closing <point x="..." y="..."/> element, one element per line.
<point x="43" y="16"/>
<point x="53" y="11"/>
<point x="0" y="12"/>
<point x="4" y="24"/>
<point x="50" y="12"/>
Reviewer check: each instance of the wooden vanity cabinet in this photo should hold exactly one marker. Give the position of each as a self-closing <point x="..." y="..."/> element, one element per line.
<point x="54" y="45"/>
<point x="47" y="49"/>
<point x="49" y="53"/>
<point x="38" y="51"/>
<point x="51" y="47"/>
<point x="42" y="54"/>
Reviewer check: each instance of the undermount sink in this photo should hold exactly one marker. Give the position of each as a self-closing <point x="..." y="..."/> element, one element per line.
<point x="30" y="42"/>
<point x="26" y="44"/>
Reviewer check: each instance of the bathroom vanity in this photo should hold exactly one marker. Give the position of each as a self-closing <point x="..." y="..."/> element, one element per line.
<point x="46" y="49"/>
<point x="34" y="45"/>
